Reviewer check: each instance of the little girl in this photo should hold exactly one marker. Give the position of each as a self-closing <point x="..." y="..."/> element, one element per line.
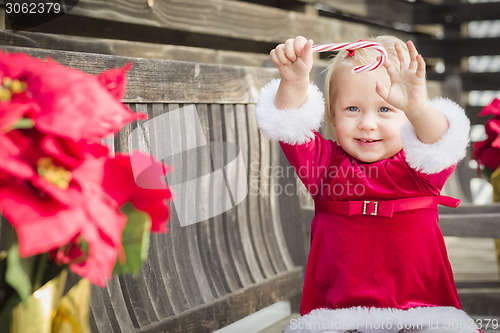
<point x="378" y="261"/>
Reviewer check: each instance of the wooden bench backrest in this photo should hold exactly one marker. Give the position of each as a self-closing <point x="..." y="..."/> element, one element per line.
<point x="206" y="275"/>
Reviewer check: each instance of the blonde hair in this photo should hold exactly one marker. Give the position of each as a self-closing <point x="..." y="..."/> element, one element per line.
<point x="364" y="56"/>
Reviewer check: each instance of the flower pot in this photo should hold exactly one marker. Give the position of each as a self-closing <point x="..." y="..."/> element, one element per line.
<point x="48" y="311"/>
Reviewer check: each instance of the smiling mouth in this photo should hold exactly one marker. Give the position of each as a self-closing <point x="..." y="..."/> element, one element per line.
<point x="368" y="140"/>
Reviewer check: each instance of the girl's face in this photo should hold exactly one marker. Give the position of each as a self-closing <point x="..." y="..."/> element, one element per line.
<point x="367" y="126"/>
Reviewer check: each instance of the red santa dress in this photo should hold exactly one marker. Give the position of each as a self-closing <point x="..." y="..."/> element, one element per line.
<point x="378" y="261"/>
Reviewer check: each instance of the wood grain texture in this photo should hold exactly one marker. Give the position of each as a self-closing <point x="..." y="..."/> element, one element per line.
<point x="382" y="10"/>
<point x="485" y="225"/>
<point x="219" y="222"/>
<point x="226" y="310"/>
<point x="199" y="165"/>
<point x="182" y="253"/>
<point x="473" y="81"/>
<point x="129" y="48"/>
<point x="456" y="47"/>
<point x="210" y="256"/>
<point x="243" y="212"/>
<point x="265" y="207"/>
<point x="232" y="19"/>
<point x="206" y="265"/>
<point x="274" y="206"/>
<point x="469" y="208"/>
<point x="233" y="179"/>
<point x="162" y="81"/>
<point x="255" y="186"/>
<point x="462" y="12"/>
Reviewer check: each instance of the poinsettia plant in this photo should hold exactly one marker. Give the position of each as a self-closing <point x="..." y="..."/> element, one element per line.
<point x="487" y="152"/>
<point x="71" y="202"/>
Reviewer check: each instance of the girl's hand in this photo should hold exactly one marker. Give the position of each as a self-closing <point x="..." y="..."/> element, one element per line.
<point x="408" y="91"/>
<point x="294" y="59"/>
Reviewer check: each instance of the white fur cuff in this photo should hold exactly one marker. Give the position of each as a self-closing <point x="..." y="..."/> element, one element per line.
<point x="448" y="150"/>
<point x="293" y="126"/>
<point x="386" y="320"/>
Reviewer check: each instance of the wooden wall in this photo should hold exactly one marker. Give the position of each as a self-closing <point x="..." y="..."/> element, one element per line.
<point x="455" y="45"/>
<point x="243" y="32"/>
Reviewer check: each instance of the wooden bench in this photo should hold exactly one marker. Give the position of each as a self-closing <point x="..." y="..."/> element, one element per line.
<point x="204" y="276"/>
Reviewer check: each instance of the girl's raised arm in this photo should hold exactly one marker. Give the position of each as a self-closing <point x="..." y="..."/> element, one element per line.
<point x="294" y="60"/>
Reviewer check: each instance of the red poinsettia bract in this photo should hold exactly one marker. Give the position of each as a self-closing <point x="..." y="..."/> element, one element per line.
<point x="59" y="187"/>
<point x="487" y="152"/>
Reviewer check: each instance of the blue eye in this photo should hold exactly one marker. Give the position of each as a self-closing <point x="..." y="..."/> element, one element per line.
<point x="353" y="108"/>
<point x="384" y="109"/>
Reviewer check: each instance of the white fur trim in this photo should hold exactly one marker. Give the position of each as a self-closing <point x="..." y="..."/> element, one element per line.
<point x="388" y="320"/>
<point x="293" y="126"/>
<point x="448" y="150"/>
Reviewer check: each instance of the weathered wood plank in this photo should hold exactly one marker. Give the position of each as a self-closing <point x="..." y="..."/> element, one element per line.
<point x="480" y="81"/>
<point x="473" y="114"/>
<point x="113" y="298"/>
<point x="199" y="164"/>
<point x="219" y="221"/>
<point x="153" y="282"/>
<point x="100" y="319"/>
<point x="254" y="193"/>
<point x="166" y="259"/>
<point x="226" y="310"/>
<point x="472" y="259"/>
<point x="458" y="47"/>
<point x="234" y="180"/>
<point x="136" y="297"/>
<point x="230" y="19"/>
<point x="471" y="225"/>
<point x="276" y="191"/>
<point x="209" y="254"/>
<point x="243" y="207"/>
<point x="473" y="81"/>
<point x="130" y="48"/>
<point x="164" y="307"/>
<point x="166" y="286"/>
<point x="183" y="257"/>
<point x="151" y="276"/>
<point x="485" y="303"/>
<point x="382" y="10"/>
<point x="469" y="208"/>
<point x="295" y="225"/>
<point x="159" y="81"/>
<point x="264" y="205"/>
<point x="457" y="13"/>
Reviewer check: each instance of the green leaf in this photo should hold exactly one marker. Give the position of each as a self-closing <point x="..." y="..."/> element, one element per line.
<point x="24" y="123"/>
<point x="19" y="271"/>
<point x="135" y="240"/>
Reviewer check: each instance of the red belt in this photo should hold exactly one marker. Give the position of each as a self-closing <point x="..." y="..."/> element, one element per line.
<point x="382" y="208"/>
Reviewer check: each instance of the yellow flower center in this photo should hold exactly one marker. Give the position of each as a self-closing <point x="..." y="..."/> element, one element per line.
<point x="53" y="174"/>
<point x="9" y="87"/>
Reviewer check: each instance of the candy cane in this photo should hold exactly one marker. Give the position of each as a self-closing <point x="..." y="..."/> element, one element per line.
<point x="355" y="46"/>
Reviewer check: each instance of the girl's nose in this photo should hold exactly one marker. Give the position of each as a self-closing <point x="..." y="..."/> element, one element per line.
<point x="367" y="122"/>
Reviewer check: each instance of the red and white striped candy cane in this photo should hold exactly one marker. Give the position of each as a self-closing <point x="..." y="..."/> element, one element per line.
<point x="355" y="46"/>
